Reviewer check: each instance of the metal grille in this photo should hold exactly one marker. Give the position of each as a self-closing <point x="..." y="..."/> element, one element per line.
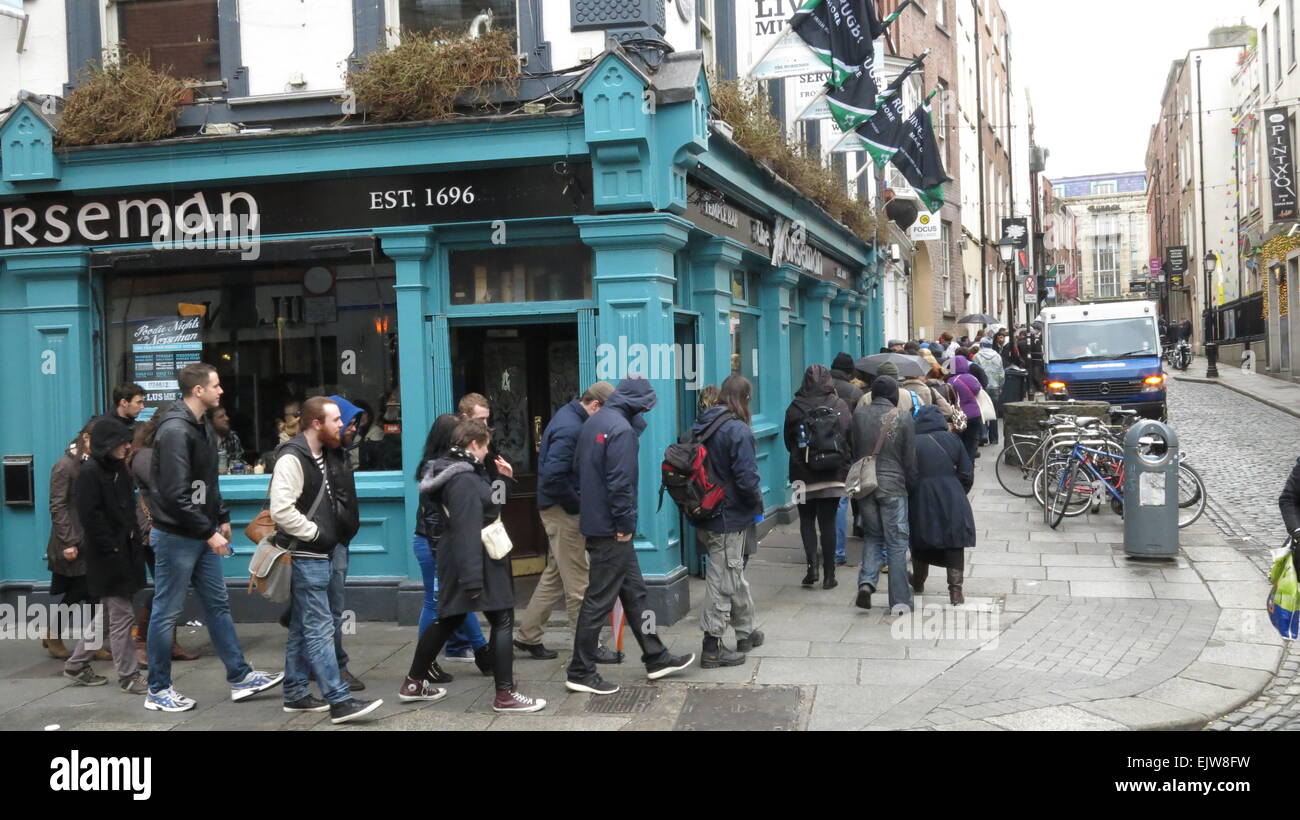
<point x="629" y="700"/>
<point x="1106" y="391"/>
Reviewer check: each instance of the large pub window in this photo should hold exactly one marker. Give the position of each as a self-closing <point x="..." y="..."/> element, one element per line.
<point x="179" y="37"/>
<point x="278" y="335"/>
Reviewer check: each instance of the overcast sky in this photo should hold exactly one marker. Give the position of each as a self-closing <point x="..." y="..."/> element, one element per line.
<point x="1095" y="70"/>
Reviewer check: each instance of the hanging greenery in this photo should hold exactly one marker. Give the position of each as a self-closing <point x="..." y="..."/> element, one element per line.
<point x="743" y="106"/>
<point x="423" y="76"/>
<point x="122" y="100"/>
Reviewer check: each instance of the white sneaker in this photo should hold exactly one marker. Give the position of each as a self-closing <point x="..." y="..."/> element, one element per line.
<point x="167" y="700"/>
<point x="253" y="683"/>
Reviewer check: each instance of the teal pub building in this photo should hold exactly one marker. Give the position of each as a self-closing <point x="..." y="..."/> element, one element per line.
<point x="521" y="256"/>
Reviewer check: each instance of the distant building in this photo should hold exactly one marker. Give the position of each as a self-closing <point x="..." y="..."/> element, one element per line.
<point x="1109" y="214"/>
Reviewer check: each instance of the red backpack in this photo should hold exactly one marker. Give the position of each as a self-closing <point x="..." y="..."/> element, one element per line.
<point x="690" y="479"/>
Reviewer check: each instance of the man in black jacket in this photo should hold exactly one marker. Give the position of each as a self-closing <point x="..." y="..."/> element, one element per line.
<point x="191" y="532"/>
<point x="607" y="477"/>
<point x="566" y="573"/>
<point x="310" y="492"/>
<point x="128" y="402"/>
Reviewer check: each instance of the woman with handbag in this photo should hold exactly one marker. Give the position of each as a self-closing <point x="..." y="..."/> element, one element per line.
<point x="967" y="389"/>
<point x="942" y="524"/>
<point x="470" y="578"/>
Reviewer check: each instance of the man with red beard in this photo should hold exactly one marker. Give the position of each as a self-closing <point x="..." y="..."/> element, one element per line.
<point x="313" y="507"/>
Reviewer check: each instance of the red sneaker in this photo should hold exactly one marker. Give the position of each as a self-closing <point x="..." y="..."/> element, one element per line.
<point x="509" y="700"/>
<point x="413" y="689"/>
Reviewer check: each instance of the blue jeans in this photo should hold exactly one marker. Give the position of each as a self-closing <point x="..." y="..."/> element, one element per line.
<point x="338" y="580"/>
<point x="841" y="526"/>
<point x="885" y="536"/>
<point x="470" y="634"/>
<point x="178" y="562"/>
<point x="311" y="639"/>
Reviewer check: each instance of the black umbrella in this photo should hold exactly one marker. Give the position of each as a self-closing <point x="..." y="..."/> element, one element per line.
<point x="909" y="367"/>
<point x="978" y="319"/>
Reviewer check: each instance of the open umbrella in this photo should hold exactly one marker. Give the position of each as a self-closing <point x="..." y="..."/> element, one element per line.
<point x="909" y="367"/>
<point x="978" y="319"/>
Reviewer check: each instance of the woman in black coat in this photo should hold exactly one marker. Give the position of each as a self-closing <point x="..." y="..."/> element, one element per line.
<point x="942" y="524"/>
<point x="105" y="501"/>
<point x="469" y="580"/>
<point x="817" y="493"/>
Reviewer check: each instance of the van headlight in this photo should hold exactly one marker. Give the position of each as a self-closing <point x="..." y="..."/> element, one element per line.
<point x="1153" y="384"/>
<point x="1056" y="389"/>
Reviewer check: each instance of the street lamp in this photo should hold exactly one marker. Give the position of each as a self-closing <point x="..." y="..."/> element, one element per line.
<point x="1007" y="251"/>
<point x="1211" y="349"/>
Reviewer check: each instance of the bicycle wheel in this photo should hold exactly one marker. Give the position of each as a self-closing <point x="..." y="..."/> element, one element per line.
<point x="1195" y="495"/>
<point x="1015" y="469"/>
<point x="1062" y="493"/>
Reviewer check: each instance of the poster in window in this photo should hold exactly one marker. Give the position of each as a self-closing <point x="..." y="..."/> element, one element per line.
<point x="160" y="346"/>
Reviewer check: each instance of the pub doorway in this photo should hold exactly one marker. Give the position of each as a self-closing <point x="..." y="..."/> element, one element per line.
<point x="527" y="372"/>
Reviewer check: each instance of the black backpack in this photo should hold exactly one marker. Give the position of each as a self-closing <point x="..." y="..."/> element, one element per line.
<point x="821" y="444"/>
<point x="689" y="477"/>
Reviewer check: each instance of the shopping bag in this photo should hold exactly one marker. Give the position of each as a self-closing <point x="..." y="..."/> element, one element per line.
<point x="1284" y="598"/>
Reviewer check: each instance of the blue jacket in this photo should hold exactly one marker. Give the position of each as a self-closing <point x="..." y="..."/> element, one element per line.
<point x="606" y="460"/>
<point x="731" y="454"/>
<point x="557" y="476"/>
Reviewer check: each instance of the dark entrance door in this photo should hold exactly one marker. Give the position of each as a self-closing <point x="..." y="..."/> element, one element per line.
<point x="527" y="372"/>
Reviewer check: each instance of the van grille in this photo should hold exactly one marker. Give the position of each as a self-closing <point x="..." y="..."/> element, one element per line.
<point x="1106" y="390"/>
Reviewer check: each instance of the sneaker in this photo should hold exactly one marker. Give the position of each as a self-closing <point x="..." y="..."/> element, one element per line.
<point x="253" y="683"/>
<point x="352" y="709"/>
<point x="307" y="703"/>
<point x="509" y="700"/>
<point x="436" y="675"/>
<point x="354" y="683"/>
<point x="483" y="659"/>
<point x="134" y="686"/>
<point x="864" y="596"/>
<point x="420" y="690"/>
<point x="85" y="676"/>
<point x="655" y="671"/>
<point x="750" y="641"/>
<point x="167" y="700"/>
<point x="537" y="651"/>
<point x="606" y="655"/>
<point x="460" y="656"/>
<point x="595" y="685"/>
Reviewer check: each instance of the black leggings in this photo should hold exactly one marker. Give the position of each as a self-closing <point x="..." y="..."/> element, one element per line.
<point x="819" y="513"/>
<point x="435" y="637"/>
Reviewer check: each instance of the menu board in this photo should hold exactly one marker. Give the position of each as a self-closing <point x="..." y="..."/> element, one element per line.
<point x="160" y="346"/>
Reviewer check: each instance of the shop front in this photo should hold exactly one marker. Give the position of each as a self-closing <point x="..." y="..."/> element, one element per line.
<point x="405" y="266"/>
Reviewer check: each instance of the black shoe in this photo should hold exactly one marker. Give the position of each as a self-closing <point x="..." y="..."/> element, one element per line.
<point x="715" y="654"/>
<point x="864" y="596"/>
<point x="750" y="641"/>
<point x="354" y="683"/>
<point x="595" y="685"/>
<point x="352" y="709"/>
<point x="310" y="703"/>
<point x="537" y="651"/>
<point x="483" y="659"/>
<point x="436" y="675"/>
<point x="655" y="671"/>
<point x="606" y="655"/>
<point x="812" y="576"/>
<point x="830" y="582"/>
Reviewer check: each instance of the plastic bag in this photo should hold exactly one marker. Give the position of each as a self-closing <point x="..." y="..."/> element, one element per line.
<point x="1284" y="598"/>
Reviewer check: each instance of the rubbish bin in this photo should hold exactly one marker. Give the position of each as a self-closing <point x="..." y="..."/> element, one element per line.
<point x="1151" y="490"/>
<point x="1013" y="389"/>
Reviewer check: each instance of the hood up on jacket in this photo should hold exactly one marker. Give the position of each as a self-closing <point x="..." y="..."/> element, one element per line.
<point x="347" y="410"/>
<point x="106" y="436"/>
<point x="816" y="381"/>
<point x="960" y="365"/>
<point x="444" y="468"/>
<point x="633" y="397"/>
<point x="884" y="387"/>
<point x="843" y="363"/>
<point x="930" y="420"/>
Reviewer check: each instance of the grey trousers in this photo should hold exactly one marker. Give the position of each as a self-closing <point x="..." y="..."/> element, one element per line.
<point x="729" y="599"/>
<point x="121" y="617"/>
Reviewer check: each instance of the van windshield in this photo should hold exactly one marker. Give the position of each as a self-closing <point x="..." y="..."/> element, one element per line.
<point x="1102" y="339"/>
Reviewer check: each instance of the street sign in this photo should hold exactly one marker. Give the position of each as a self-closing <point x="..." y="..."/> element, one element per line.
<point x="1155" y="270"/>
<point x="926" y="228"/>
<point x="1137" y="287"/>
<point x="1017" y="230"/>
<point x="1031" y="289"/>
<point x="1177" y="256"/>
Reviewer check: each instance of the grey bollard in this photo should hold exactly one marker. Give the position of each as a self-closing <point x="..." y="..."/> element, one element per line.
<point x="1150" y="493"/>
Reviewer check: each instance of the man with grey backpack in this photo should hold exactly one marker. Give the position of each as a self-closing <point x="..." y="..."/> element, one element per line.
<point x="310" y="489"/>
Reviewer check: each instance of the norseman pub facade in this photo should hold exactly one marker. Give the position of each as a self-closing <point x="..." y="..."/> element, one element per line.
<point x="521" y="257"/>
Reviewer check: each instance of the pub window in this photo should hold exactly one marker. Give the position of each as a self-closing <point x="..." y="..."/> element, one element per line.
<point x="278" y="335"/>
<point x="458" y="16"/>
<point x="744" y="352"/>
<point x="179" y="37"/>
<point x="738" y="286"/>
<point x="541" y="273"/>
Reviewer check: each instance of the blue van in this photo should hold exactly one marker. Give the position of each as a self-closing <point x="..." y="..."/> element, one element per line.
<point x="1105" y="352"/>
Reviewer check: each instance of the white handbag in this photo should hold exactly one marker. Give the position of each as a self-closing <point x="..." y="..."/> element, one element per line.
<point x="496" y="541"/>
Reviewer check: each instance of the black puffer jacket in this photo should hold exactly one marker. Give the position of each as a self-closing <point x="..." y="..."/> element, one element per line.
<point x="460" y="484"/>
<point x="185" y="452"/>
<point x="106" y="507"/>
<point x="817" y="391"/>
